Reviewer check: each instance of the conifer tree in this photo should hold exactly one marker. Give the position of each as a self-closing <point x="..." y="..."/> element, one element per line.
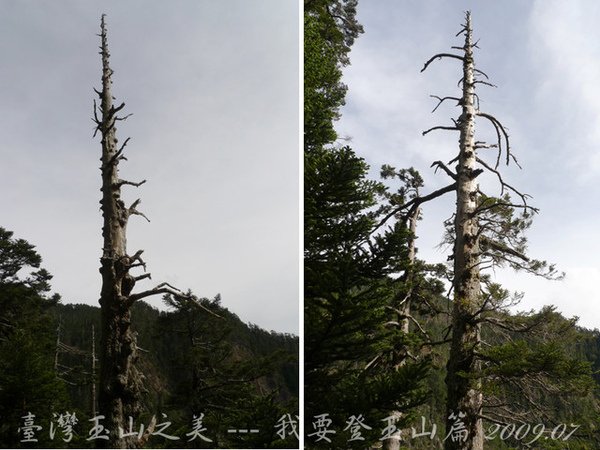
<point x="349" y="262"/>
<point x="28" y="382"/>
<point x="478" y="241"/>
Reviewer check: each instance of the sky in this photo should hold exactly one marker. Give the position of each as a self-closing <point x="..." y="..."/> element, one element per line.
<point x="214" y="92"/>
<point x="544" y="57"/>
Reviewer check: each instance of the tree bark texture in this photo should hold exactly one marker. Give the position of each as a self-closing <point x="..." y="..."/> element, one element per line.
<point x="464" y="400"/>
<point x="119" y="384"/>
<point x="404" y="321"/>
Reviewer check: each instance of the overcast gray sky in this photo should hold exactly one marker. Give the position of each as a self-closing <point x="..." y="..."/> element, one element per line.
<point x="544" y="56"/>
<point x="213" y="88"/>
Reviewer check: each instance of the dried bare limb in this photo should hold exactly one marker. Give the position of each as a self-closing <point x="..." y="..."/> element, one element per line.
<point x="162" y="288"/>
<point x="440" y="128"/>
<point x="414" y="204"/>
<point x="484" y="82"/>
<point x="440" y="56"/>
<point x="442" y="99"/>
<point x="405" y="315"/>
<point x="141" y="277"/>
<point x="499" y="247"/>
<point x="481" y="144"/>
<point x="121" y="182"/>
<point x="482" y="73"/>
<point x="500" y="130"/>
<point x="124" y="117"/>
<point x="132" y="210"/>
<point x="482" y="208"/>
<point x="463" y="30"/>
<point x="503" y="184"/>
<point x="441" y="165"/>
<point x="117" y="156"/>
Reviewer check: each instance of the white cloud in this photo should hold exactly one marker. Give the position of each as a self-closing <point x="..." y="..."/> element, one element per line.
<point x="565" y="47"/>
<point x="214" y="92"/>
<point x="545" y="58"/>
<point x="576" y="295"/>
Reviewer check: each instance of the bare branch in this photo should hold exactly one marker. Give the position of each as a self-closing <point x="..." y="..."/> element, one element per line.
<point x="440" y="56"/>
<point x="132" y="210"/>
<point x="162" y="288"/>
<point x="129" y="183"/>
<point x="414" y="204"/>
<point x="118" y="155"/>
<point x="405" y="315"/>
<point x="124" y="117"/>
<point x="115" y="110"/>
<point x="482" y="208"/>
<point x="500" y="129"/>
<point x="514" y="328"/>
<point x="503" y="184"/>
<point x="500" y="247"/>
<point x="135" y="212"/>
<point x="441" y="165"/>
<point x="441" y="100"/>
<point x="480" y="144"/>
<point x="440" y="128"/>
<point x="141" y="277"/>
<point x="133" y="206"/>
<point x="96" y="120"/>
<point x="482" y="73"/>
<point x="484" y="82"/>
<point x="462" y="31"/>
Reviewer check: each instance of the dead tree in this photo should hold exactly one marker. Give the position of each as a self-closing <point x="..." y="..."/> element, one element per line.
<point x="402" y="315"/>
<point x="402" y="303"/>
<point x="120" y="384"/>
<point x="483" y="235"/>
<point x="93" y="371"/>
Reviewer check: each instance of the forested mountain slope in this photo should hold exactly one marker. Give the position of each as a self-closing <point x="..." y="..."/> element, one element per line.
<point x="204" y="372"/>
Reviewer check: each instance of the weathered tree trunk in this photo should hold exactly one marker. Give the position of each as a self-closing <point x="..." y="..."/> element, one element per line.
<point x="404" y="312"/>
<point x="120" y="383"/>
<point x="464" y="393"/>
<point x="408" y="278"/>
<point x="93" y="368"/>
<point x="475" y="240"/>
<point x="118" y="389"/>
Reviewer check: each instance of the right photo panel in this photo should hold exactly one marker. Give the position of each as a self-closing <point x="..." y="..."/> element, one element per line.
<point x="450" y="170"/>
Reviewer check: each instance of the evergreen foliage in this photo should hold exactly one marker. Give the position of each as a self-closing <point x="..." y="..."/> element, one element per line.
<point x="28" y="381"/>
<point x="536" y="367"/>
<point x="350" y="265"/>
<point x="197" y="359"/>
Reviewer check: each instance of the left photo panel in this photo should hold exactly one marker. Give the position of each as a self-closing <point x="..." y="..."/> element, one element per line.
<point x="149" y="224"/>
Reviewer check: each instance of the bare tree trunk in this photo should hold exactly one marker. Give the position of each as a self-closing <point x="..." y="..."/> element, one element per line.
<point x="464" y="393"/>
<point x="118" y="393"/>
<point x="404" y="310"/>
<point x="405" y="307"/>
<point x="474" y="240"/>
<point x="120" y="384"/>
<point x="94" y="409"/>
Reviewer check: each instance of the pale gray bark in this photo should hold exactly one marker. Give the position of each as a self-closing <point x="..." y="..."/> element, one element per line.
<point x="403" y="312"/>
<point x="480" y="240"/>
<point x="464" y="394"/>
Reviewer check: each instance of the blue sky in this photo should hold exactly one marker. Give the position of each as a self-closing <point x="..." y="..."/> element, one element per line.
<point x="213" y="88"/>
<point x="544" y="56"/>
